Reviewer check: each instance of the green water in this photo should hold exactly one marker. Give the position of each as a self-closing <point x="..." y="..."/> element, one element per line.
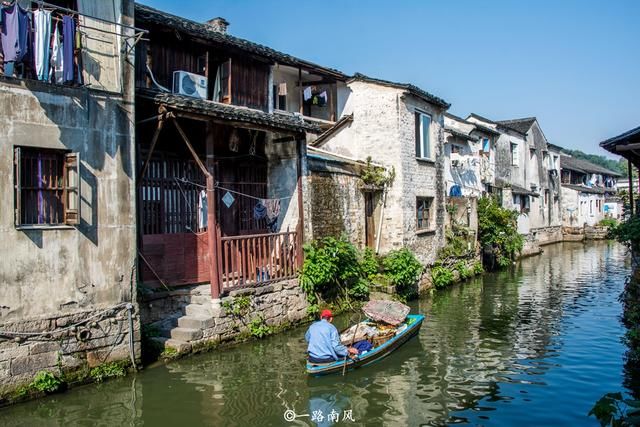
<point x="534" y="346"/>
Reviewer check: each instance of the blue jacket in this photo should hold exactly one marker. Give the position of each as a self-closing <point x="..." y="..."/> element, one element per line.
<point x="324" y="341"/>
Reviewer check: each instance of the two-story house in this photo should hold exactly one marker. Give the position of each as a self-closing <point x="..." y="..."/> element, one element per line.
<point x="586" y="190"/>
<point x="401" y="128"/>
<point x="67" y="216"/>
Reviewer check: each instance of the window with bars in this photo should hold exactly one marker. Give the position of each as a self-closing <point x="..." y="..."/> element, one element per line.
<point x="423" y="213"/>
<point x="46" y="187"/>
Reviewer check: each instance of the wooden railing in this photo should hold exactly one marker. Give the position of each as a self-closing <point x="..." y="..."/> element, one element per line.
<point x="254" y="260"/>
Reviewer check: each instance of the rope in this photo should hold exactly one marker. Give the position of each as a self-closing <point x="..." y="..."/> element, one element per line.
<point x="67" y="328"/>
<point x="250" y="196"/>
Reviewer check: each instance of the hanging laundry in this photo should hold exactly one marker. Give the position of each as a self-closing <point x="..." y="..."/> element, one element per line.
<point x="307" y="94"/>
<point x="24" y="34"/>
<point x="203" y="210"/>
<point x="57" y="59"/>
<point x="78" y="57"/>
<point x="259" y="211"/>
<point x="273" y="208"/>
<point x="42" y="24"/>
<point x="9" y="31"/>
<point x="455" y="191"/>
<point x="322" y="99"/>
<point x="68" y="41"/>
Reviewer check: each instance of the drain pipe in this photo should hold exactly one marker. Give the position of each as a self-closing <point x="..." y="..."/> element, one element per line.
<point x="384" y="202"/>
<point x="131" y="346"/>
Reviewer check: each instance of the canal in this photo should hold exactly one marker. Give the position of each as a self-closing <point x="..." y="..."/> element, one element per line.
<point x="537" y="345"/>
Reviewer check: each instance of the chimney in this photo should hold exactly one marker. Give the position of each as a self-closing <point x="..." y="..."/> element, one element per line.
<point x="218" y="24"/>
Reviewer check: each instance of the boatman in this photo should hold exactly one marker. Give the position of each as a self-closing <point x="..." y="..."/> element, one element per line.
<point x="324" y="341"/>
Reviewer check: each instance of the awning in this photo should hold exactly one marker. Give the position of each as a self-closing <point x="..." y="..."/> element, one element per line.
<point x="201" y="109"/>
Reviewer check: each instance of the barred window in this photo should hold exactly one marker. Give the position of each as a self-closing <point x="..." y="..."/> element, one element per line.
<point x="46" y="187"/>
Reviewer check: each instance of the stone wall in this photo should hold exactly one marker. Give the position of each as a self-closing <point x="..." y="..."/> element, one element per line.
<point x="65" y="344"/>
<point x="188" y="319"/>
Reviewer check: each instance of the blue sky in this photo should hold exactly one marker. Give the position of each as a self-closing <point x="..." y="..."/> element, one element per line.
<point x="573" y="64"/>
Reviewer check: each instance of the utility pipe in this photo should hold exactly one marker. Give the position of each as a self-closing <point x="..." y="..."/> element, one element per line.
<point x="132" y="352"/>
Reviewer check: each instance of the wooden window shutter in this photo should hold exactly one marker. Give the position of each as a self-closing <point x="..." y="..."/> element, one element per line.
<point x="418" y="138"/>
<point x="225" y="82"/>
<point x="18" y="186"/>
<point x="72" y="189"/>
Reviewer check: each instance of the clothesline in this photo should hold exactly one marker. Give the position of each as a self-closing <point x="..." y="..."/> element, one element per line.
<point x="186" y="181"/>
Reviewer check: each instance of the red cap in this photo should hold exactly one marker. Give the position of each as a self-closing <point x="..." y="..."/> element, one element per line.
<point x="326" y="314"/>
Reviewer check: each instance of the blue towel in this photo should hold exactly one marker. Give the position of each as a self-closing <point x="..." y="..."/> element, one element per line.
<point x="363" y="346"/>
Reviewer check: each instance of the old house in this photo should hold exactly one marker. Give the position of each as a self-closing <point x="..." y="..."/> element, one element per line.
<point x="399" y="127"/>
<point x="627" y="145"/>
<point x="588" y="192"/>
<point x="222" y="125"/>
<point x="527" y="178"/>
<point x="67" y="217"/>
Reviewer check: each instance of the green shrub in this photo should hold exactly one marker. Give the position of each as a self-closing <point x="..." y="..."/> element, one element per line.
<point x="612" y="409"/>
<point x="334" y="269"/>
<point x="46" y="382"/>
<point x="462" y="269"/>
<point x="258" y="328"/>
<point x="107" y="370"/>
<point x="497" y="228"/>
<point x="608" y="222"/>
<point x="369" y="264"/>
<point x="477" y="268"/>
<point x="441" y="277"/>
<point x="403" y="270"/>
<point x="628" y="232"/>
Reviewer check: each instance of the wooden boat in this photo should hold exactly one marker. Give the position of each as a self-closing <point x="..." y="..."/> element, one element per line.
<point x="413" y="322"/>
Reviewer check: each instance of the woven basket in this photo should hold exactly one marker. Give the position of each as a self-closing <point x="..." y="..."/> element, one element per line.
<point x="380" y="339"/>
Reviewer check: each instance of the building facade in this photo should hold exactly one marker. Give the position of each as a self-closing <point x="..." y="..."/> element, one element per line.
<point x="67" y="217"/>
<point x="401" y="128"/>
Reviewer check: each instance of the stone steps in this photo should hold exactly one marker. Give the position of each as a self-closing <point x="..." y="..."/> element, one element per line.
<point x="198" y="310"/>
<point x="186" y="334"/>
<point x="196" y="322"/>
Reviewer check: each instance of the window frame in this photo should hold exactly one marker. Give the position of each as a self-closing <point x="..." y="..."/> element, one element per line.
<point x="429" y="226"/>
<point x="68" y="195"/>
<point x="419" y="136"/>
<point x="515" y="154"/>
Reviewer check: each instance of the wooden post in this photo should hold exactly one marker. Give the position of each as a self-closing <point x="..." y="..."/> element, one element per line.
<point x="212" y="218"/>
<point x="631" y="208"/>
<point x="154" y="140"/>
<point x="300" y="147"/>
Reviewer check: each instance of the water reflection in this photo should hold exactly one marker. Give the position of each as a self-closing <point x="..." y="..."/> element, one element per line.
<point x="535" y="345"/>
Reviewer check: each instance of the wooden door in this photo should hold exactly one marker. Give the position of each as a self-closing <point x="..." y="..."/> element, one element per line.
<point x="369" y="223"/>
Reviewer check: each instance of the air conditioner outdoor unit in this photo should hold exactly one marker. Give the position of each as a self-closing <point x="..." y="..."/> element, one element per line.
<point x="190" y="84"/>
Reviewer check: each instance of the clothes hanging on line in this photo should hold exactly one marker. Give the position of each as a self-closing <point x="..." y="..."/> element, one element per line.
<point x="42" y="28"/>
<point x="9" y="32"/>
<point x="259" y="211"/>
<point x="57" y="59"/>
<point x="203" y="210"/>
<point x="307" y="94"/>
<point x="68" y="42"/>
<point x="273" y="208"/>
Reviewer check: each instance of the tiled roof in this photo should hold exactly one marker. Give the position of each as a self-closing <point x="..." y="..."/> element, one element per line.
<point x="500" y="125"/>
<point x="456" y="132"/>
<point x="145" y="14"/>
<point x="584" y="189"/>
<point x="414" y="90"/>
<point x="521" y="125"/>
<point x="584" y="166"/>
<point x="228" y="112"/>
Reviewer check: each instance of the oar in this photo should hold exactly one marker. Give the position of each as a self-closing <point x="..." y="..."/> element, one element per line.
<point x="353" y="338"/>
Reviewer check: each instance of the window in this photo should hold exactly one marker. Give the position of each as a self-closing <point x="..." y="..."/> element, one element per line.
<point x="522" y="202"/>
<point x="423" y="213"/>
<point x="280" y="97"/>
<point x="423" y="140"/>
<point x="515" y="155"/>
<point x="46" y="187"/>
<point x="486" y="145"/>
<point x="456" y="149"/>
